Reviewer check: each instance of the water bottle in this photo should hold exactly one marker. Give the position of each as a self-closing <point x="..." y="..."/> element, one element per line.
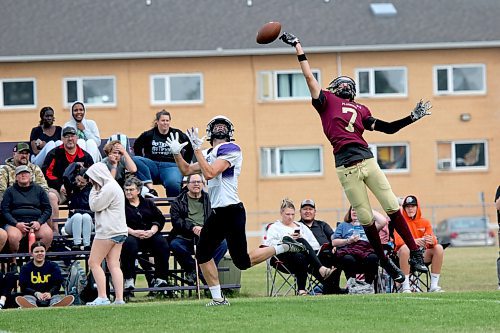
<point x="357" y="228"/>
<point x="31" y="239"/>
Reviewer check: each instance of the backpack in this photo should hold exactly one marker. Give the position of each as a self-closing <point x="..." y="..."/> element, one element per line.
<point x="75" y="282"/>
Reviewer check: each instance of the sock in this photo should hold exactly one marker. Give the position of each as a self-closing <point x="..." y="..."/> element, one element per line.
<point x="406" y="282"/>
<point x="281" y="248"/>
<point x="434" y="280"/>
<point x="216" y="292"/>
<point x="372" y="234"/>
<point x="401" y="227"/>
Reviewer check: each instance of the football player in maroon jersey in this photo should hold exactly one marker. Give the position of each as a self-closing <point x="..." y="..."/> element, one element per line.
<point x="344" y="122"/>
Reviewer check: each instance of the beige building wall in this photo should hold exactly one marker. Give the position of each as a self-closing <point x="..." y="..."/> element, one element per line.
<point x="231" y="88"/>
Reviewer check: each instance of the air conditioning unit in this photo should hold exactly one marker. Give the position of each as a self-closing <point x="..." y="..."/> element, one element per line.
<point x="444" y="164"/>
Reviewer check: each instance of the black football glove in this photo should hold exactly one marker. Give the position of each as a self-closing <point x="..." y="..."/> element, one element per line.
<point x="289" y="39"/>
<point x="421" y="110"/>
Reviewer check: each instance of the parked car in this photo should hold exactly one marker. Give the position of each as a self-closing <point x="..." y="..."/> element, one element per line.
<point x="466" y="231"/>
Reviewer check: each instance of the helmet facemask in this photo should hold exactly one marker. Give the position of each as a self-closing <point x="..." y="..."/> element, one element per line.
<point x="220" y="127"/>
<point x="343" y="87"/>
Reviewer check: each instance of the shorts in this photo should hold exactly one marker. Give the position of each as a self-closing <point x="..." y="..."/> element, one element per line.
<point x="118" y="239"/>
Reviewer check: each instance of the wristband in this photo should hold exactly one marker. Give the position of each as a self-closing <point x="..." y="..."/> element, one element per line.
<point x="301" y="57"/>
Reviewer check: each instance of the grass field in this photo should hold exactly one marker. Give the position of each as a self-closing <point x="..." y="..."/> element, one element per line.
<point x="471" y="304"/>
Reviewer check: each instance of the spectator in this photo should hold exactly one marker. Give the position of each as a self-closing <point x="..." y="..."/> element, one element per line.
<point x="118" y="161"/>
<point x="26" y="206"/>
<point x="108" y="202"/>
<point x="40" y="281"/>
<point x="145" y="223"/>
<point x="3" y="236"/>
<point x="354" y="251"/>
<point x="421" y="230"/>
<point x="86" y="131"/>
<point x="80" y="218"/>
<point x="298" y="263"/>
<point x="323" y="234"/>
<point x="59" y="158"/>
<point x="8" y="283"/>
<point x="188" y="213"/>
<point x="8" y="178"/>
<point x="154" y="159"/>
<point x="45" y="137"/>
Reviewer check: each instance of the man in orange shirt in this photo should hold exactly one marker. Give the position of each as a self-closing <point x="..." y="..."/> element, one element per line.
<point x="421" y="230"/>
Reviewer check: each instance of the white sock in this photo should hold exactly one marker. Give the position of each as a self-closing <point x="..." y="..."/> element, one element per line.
<point x="280" y="248"/>
<point x="406" y="282"/>
<point x="434" y="280"/>
<point x="216" y="292"/>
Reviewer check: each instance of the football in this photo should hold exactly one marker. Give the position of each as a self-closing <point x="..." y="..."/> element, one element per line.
<point x="268" y="32"/>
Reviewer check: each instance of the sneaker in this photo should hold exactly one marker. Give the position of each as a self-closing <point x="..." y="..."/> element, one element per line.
<point x="394" y="272"/>
<point x="151" y="194"/>
<point x="406" y="291"/>
<point x="99" y="301"/>
<point x="120" y="302"/>
<point x="436" y="289"/>
<point x="217" y="303"/>
<point x="76" y="247"/>
<point x="293" y="245"/>
<point x="417" y="261"/>
<point x="158" y="283"/>
<point x="24" y="303"/>
<point x="128" y="284"/>
<point x="65" y="301"/>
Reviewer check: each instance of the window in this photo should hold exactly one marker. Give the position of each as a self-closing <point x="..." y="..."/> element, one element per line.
<point x="462" y="155"/>
<point x="459" y="79"/>
<point x="382" y="82"/>
<point x="392" y="158"/>
<point x="92" y="91"/>
<point x="284" y="85"/>
<point x="17" y="93"/>
<point x="291" y="161"/>
<point x="176" y="89"/>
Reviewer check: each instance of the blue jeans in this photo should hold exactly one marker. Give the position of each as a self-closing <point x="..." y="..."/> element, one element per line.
<point x="166" y="173"/>
<point x="183" y="251"/>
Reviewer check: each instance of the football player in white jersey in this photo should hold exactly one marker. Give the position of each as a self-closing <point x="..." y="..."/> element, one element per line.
<point x="221" y="167"/>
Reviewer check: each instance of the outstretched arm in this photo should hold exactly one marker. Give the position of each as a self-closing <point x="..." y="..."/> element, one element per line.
<point x="312" y="83"/>
<point x="420" y="110"/>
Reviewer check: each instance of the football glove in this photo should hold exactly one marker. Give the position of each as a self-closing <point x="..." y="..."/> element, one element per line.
<point x="289" y="39"/>
<point x="421" y="110"/>
<point x="174" y="144"/>
<point x="196" y="142"/>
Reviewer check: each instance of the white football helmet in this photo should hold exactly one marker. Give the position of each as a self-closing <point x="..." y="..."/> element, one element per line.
<point x="220" y="134"/>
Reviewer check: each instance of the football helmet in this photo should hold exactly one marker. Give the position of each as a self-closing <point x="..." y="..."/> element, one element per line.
<point x="220" y="134"/>
<point x="343" y="87"/>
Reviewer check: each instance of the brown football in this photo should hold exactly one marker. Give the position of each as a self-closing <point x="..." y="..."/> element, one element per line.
<point x="268" y="32"/>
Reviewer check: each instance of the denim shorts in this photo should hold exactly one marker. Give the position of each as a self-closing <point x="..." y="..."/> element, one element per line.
<point x="119" y="239"/>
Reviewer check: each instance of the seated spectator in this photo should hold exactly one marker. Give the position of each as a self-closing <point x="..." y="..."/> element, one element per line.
<point x="45" y="137"/>
<point x="3" y="237"/>
<point x="8" y="283"/>
<point x="86" y="131"/>
<point x="118" y="161"/>
<point x="80" y="223"/>
<point x="145" y="223"/>
<point x="188" y="213"/>
<point x="423" y="234"/>
<point x="354" y="252"/>
<point x="26" y="206"/>
<point x="8" y="178"/>
<point x="59" y="158"/>
<point x="298" y="263"/>
<point x="154" y="159"/>
<point x="40" y="281"/>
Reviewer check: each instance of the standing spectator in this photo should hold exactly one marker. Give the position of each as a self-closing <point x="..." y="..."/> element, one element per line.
<point x="118" y="161"/>
<point x="145" y="223"/>
<point x="26" y="206"/>
<point x="59" y="158"/>
<point x="40" y="281"/>
<point x="344" y="122"/>
<point x="8" y="178"/>
<point x="108" y="202"/>
<point x="45" y="137"/>
<point x="86" y="131"/>
<point x="189" y="212"/>
<point x="497" y="206"/>
<point x="154" y="159"/>
<point x="421" y="230"/>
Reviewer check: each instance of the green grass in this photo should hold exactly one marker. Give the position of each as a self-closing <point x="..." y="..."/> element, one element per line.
<point x="471" y="304"/>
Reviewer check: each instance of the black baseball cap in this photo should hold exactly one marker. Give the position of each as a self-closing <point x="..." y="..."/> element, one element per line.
<point x="68" y="130"/>
<point x="308" y="202"/>
<point x="410" y="200"/>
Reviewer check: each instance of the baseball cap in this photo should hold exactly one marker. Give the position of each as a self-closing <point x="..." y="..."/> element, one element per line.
<point x="410" y="200"/>
<point x="68" y="130"/>
<point x="22" y="168"/>
<point x="308" y="202"/>
<point x="21" y="146"/>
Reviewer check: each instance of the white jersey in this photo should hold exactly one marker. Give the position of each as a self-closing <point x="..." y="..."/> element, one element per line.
<point x="223" y="189"/>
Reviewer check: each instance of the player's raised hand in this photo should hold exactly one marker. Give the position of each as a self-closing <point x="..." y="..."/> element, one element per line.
<point x="289" y="39"/>
<point x="421" y="110"/>
<point x="196" y="142"/>
<point x="174" y="144"/>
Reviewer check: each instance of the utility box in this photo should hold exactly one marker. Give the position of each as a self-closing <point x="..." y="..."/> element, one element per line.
<point x="231" y="276"/>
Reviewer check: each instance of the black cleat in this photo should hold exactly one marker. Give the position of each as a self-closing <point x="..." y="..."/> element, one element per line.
<point x="417" y="261"/>
<point x="394" y="272"/>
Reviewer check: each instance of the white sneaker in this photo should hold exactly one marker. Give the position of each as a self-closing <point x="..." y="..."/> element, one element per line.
<point x="436" y="289"/>
<point x="99" y="301"/>
<point x="406" y="291"/>
<point x="157" y="283"/>
<point x="122" y="302"/>
<point x="129" y="284"/>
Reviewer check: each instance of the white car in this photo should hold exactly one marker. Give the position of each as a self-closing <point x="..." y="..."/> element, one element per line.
<point x="466" y="231"/>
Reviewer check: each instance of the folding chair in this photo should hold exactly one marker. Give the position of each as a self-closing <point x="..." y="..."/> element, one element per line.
<point x="280" y="281"/>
